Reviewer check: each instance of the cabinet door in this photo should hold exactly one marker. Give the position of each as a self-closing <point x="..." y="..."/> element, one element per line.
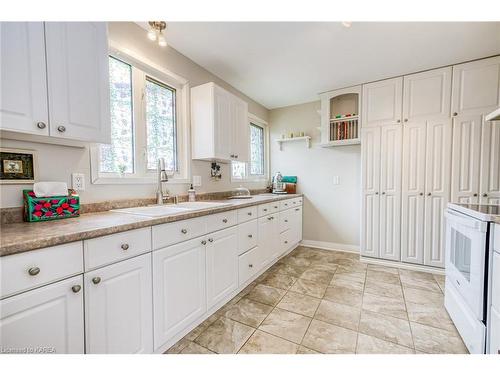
<point x="266" y="240"/>
<point x="50" y="317"/>
<point x="176" y="307"/>
<point x="427" y="95"/>
<point x="437" y="188"/>
<point x="241" y="130"/>
<point x="118" y="308"/>
<point x="78" y="80"/>
<point x="370" y="180"/>
<point x="223" y="134"/>
<point x="23" y="104"/>
<point x="413" y="187"/>
<point x="475" y="87"/>
<point x="296" y="227"/>
<point x="466" y="154"/>
<point x="390" y="192"/>
<point x="382" y="102"/>
<point x="490" y="163"/>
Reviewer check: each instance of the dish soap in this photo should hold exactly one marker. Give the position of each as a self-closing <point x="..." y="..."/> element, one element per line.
<point x="191" y="194"/>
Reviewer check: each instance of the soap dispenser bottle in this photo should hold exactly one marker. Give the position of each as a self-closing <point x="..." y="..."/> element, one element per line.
<point x="191" y="194"/>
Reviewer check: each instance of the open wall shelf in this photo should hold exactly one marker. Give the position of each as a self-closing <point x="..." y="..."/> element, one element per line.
<point x="306" y="138"/>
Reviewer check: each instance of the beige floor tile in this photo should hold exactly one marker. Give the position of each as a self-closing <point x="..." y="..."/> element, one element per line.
<point x="434" y="340"/>
<point x="264" y="343"/>
<point x="248" y="312"/>
<point x="311" y="288"/>
<point x="279" y="280"/>
<point x="346" y="296"/>
<point x="386" y="328"/>
<point x="247" y="289"/>
<point x="327" y="267"/>
<point x="372" y="345"/>
<point x="419" y="280"/>
<point x="379" y="288"/>
<point x="328" y="338"/>
<point x="296" y="261"/>
<point x="194" y="348"/>
<point x="266" y="294"/>
<point x="317" y="275"/>
<point x="304" y="350"/>
<point x="299" y="303"/>
<point x="423" y="297"/>
<point x="347" y="281"/>
<point x="201" y="327"/>
<point x="178" y="346"/>
<point x="338" y="314"/>
<point x="385" y="305"/>
<point x="384" y="277"/>
<point x="225" y="336"/>
<point x="376" y="267"/>
<point x="289" y="269"/>
<point x="440" y="279"/>
<point x="430" y="315"/>
<point x="286" y="324"/>
<point x="352" y="273"/>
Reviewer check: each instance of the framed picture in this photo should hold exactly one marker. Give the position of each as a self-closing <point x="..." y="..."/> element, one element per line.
<point x="17" y="166"/>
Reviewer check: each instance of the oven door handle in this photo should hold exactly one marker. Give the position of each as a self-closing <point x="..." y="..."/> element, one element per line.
<point x="466" y="221"/>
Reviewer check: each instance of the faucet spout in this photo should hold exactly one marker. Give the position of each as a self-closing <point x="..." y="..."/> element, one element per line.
<point x="162" y="177"/>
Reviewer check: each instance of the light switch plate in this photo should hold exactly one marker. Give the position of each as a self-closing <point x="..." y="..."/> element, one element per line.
<point x="336" y="180"/>
<point x="78" y="181"/>
<point x="196" y="181"/>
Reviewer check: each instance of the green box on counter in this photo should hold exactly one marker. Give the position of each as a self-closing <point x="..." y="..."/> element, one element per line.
<point x="50" y="208"/>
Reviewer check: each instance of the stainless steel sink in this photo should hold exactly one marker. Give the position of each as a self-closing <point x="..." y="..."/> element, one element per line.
<point x="170" y="209"/>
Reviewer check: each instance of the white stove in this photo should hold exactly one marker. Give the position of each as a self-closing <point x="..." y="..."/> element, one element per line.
<point x="469" y="233"/>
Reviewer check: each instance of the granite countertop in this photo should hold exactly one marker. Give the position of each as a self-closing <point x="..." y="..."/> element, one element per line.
<point x="20" y="237"/>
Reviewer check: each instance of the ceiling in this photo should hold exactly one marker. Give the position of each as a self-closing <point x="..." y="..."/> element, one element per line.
<point x="279" y="64"/>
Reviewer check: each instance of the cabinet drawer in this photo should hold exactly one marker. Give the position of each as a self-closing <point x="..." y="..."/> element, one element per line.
<point x="248" y="264"/>
<point x="220" y="221"/>
<point x="495" y="281"/>
<point x="247" y="236"/>
<point x="115" y="247"/>
<point x="296" y="202"/>
<point x="274" y="207"/>
<point x="171" y="233"/>
<point x="286" y="204"/>
<point x="31" y="269"/>
<point x="285" y="240"/>
<point x="285" y="220"/>
<point x="247" y="214"/>
<point x="264" y="209"/>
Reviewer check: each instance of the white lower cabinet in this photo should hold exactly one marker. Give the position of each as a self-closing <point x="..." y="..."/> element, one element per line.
<point x="118" y="308"/>
<point x="248" y="264"/>
<point x="269" y="246"/>
<point x="179" y="295"/>
<point x="296" y="227"/>
<point x="44" y="320"/>
<point x="222" y="265"/>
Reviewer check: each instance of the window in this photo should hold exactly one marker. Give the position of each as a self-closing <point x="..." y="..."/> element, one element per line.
<point x="145" y="118"/>
<point x="255" y="169"/>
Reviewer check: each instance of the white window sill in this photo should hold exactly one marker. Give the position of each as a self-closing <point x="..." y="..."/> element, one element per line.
<point x="251" y="179"/>
<point x="137" y="181"/>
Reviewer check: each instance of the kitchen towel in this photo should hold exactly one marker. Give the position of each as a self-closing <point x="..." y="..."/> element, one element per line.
<point x="50" y="189"/>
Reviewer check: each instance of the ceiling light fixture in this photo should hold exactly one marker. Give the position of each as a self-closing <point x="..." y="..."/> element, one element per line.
<point x="347" y="23"/>
<point x="156" y="32"/>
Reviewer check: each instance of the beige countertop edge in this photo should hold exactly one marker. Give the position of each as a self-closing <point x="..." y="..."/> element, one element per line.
<point x="19" y="237"/>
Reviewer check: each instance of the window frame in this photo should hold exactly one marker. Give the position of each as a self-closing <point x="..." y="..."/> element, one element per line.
<point x="252" y="119"/>
<point x="141" y="69"/>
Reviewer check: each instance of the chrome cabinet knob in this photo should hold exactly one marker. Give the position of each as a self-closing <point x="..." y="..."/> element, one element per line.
<point x="383" y="193"/>
<point x="276" y="207"/>
<point x="286" y="241"/>
<point x="429" y="194"/>
<point x="61" y="128"/>
<point x="398" y="121"/>
<point x="298" y="209"/>
<point x="406" y="120"/>
<point x="96" y="280"/>
<point x="264" y="209"/>
<point x="125" y="246"/>
<point x="41" y="125"/>
<point x="76" y="288"/>
<point x="286" y="221"/>
<point x="33" y="271"/>
<point x="236" y="156"/>
<point x="250" y="236"/>
<point x="224" y="220"/>
<point x="376" y="193"/>
<point x="203" y="242"/>
<point x="485" y="195"/>
<point x="250" y="265"/>
<point x="249" y="213"/>
<point x="184" y="231"/>
<point x="455" y="114"/>
<point x="420" y="193"/>
<point x="210" y="240"/>
<point x="475" y="194"/>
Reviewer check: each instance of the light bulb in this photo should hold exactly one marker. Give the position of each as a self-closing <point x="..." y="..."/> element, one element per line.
<point x="162" y="42"/>
<point x="152" y="35"/>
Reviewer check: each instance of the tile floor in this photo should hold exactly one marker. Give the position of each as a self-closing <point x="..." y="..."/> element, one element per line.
<point x="317" y="301"/>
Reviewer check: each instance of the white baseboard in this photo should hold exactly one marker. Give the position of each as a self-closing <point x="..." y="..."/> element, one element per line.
<point x="331" y="246"/>
<point x="406" y="266"/>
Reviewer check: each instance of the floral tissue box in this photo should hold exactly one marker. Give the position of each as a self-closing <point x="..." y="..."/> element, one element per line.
<point x="50" y="208"/>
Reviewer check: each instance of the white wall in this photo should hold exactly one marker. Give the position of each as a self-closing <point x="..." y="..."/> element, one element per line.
<point x="56" y="163"/>
<point x="331" y="212"/>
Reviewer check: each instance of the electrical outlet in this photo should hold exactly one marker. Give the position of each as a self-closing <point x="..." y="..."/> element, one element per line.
<point x="78" y="181"/>
<point x="196" y="181"/>
<point x="336" y="180"/>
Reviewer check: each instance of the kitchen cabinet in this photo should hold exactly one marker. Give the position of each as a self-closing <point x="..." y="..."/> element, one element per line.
<point x="296" y="227"/>
<point x="179" y="288"/>
<point x="219" y="123"/>
<point x="269" y="245"/>
<point x="118" y="308"/>
<point x="382" y="102"/>
<point x="47" y="319"/>
<point x="222" y="265"/>
<point x="489" y="177"/>
<point x="24" y="106"/>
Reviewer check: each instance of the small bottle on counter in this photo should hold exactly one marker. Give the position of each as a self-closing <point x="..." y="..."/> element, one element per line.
<point x="191" y="194"/>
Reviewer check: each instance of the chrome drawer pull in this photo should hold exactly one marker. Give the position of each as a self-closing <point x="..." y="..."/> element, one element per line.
<point x="210" y="240"/>
<point x="33" y="271"/>
<point x="286" y="221"/>
<point x="96" y="280"/>
<point x="250" y="236"/>
<point x="76" y="288"/>
<point x="41" y="125"/>
<point x="184" y="231"/>
<point x="297" y="209"/>
<point x="250" y="265"/>
<point x="125" y="246"/>
<point x="249" y="213"/>
<point x="286" y="241"/>
<point x="203" y="242"/>
<point x="61" y="129"/>
<point x="224" y="220"/>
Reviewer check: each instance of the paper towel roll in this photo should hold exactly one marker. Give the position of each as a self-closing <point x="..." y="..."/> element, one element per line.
<point x="50" y="189"/>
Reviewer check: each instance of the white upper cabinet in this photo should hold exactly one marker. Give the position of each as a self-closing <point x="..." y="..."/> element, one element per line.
<point x="490" y="163"/>
<point x="23" y="96"/>
<point x="476" y="88"/>
<point x="382" y="102"/>
<point x="427" y="95"/>
<point x="219" y="125"/>
<point x="78" y="80"/>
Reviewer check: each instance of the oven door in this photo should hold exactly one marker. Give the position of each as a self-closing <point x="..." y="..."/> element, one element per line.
<point x="465" y="258"/>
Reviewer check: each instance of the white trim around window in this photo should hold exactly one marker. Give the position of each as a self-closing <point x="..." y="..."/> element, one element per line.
<point x="143" y="67"/>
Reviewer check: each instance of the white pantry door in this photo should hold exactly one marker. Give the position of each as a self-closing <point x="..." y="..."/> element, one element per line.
<point x="382" y="102"/>
<point x="490" y="163"/>
<point x="23" y="95"/>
